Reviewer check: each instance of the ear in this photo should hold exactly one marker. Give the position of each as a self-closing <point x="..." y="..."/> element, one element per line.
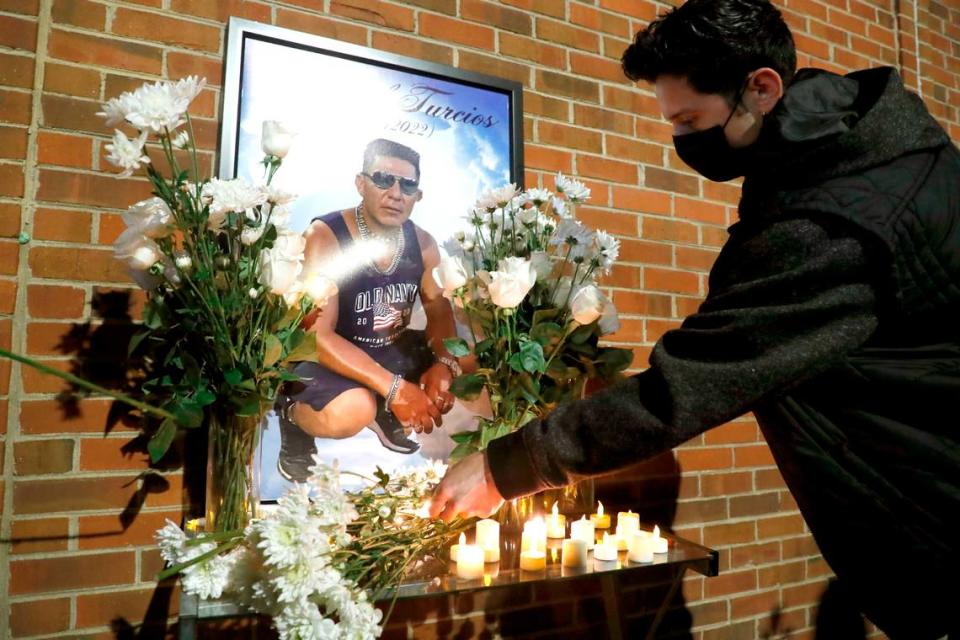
<point x="359" y="182"/>
<point x="419" y="195"/>
<point x="766" y="89"/>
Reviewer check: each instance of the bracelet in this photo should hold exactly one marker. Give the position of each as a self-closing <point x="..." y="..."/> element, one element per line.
<point x="451" y="364"/>
<point x="392" y="394"/>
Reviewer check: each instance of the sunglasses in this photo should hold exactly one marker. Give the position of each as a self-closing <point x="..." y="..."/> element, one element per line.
<point x="384" y="181"/>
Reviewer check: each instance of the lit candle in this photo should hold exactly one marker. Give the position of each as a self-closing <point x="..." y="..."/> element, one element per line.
<point x="574" y="552"/>
<point x="533" y="560"/>
<point x="534" y="535"/>
<point x="456" y="548"/>
<point x="469" y="562"/>
<point x="488" y="539"/>
<point x="622" y="539"/>
<point x="606" y="550"/>
<point x="660" y="545"/>
<point x="556" y="524"/>
<point x="582" y="529"/>
<point x="627" y="523"/>
<point x="641" y="547"/>
<point x="600" y="519"/>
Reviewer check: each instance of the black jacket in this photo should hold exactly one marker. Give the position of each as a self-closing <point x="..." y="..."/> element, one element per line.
<point x="834" y="315"/>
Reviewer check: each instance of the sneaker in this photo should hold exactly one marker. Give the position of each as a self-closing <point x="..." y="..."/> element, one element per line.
<point x="296" y="447"/>
<point x="391" y="433"/>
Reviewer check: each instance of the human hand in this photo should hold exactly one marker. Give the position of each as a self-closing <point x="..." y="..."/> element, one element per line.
<point x="466" y="490"/>
<point x="414" y="409"/>
<point x="436" y="384"/>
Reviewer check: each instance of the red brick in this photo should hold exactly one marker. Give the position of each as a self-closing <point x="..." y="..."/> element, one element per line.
<point x="754" y="554"/>
<point x="64" y="150"/>
<point x="668" y="230"/>
<point x="85" y="494"/>
<point x="36" y="617"/>
<point x="66" y="112"/>
<point x="637" y="103"/>
<point x="9" y="256"/>
<point x="11" y="180"/>
<point x="450" y="30"/>
<point x="15" y="107"/>
<point x="815" y="48"/>
<point x="646" y="304"/>
<point x="782" y="525"/>
<point x="658" y="279"/>
<point x="769" y="479"/>
<point x="101" y="609"/>
<point x="624" y="276"/>
<point x="77" y="264"/>
<point x="16" y="71"/>
<point x="91" y="189"/>
<point x="569" y="86"/>
<point x="79" y="13"/>
<point x="604" y="169"/>
<point x="75" y="81"/>
<point x="654" y="330"/>
<point x="54" y="301"/>
<point x="413" y="47"/>
<point x="727" y="534"/>
<point x="642" y="9"/>
<point x="696" y="209"/>
<point x="756" y="456"/>
<point x="641" y="200"/>
<point x="45" y="417"/>
<point x="106" y="454"/>
<point x="634" y="150"/>
<point x="755" y="604"/>
<point x="105" y="52"/>
<point x="567" y="35"/>
<point x="496" y="16"/>
<point x="169" y="31"/>
<point x="495" y="66"/>
<point x="336" y="29"/>
<point x="596" y="67"/>
<point x="783" y="573"/>
<point x="728" y="583"/>
<point x="62" y="225"/>
<point x="39" y="535"/>
<point x="9" y="219"/>
<point x="221" y="10"/>
<point x="671" y="181"/>
<point x="599" y="20"/>
<point x="724" y="484"/>
<point x="101" y="532"/>
<point x="805" y="594"/>
<point x="754" y="505"/>
<point x="8" y="296"/>
<point x="13" y="143"/>
<point x="713" y="236"/>
<point x="34" y="457"/>
<point x="704" y="459"/>
<point x="655" y="131"/>
<point x="701" y="511"/>
<point x="533" y="50"/>
<point x="696" y="259"/>
<point x="799" y="547"/>
<point x="605" y="119"/>
<point x="18" y="33"/>
<point x="24" y="7"/>
<point x="571" y="137"/>
<point x="547" y="159"/>
<point x="616" y="223"/>
<point x="71" y="572"/>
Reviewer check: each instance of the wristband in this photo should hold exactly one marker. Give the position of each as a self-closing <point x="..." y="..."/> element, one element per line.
<point x="451" y="364"/>
<point x="392" y="393"/>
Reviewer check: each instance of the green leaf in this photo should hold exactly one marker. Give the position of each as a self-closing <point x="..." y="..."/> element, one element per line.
<point x="529" y="358"/>
<point x="613" y="360"/>
<point x="461" y="451"/>
<point x="204" y="397"/>
<point x="545" y="315"/>
<point x="582" y="334"/>
<point x="233" y="376"/>
<point x="467" y="387"/>
<point x="189" y="413"/>
<point x="161" y="440"/>
<point x="546" y="333"/>
<point x="483" y="346"/>
<point x="464" y="436"/>
<point x="306" y="350"/>
<point x="272" y="351"/>
<point x="289" y="376"/>
<point x="457" y="347"/>
<point x="135" y="341"/>
<point x="249" y="406"/>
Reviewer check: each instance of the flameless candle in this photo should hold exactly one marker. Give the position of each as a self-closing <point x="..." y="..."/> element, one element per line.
<point x="600" y="519"/>
<point x="556" y="524"/>
<point x="534" y="535"/>
<point x="606" y="550"/>
<point x="455" y="548"/>
<point x="660" y="545"/>
<point x="488" y="539"/>
<point x="627" y="523"/>
<point x="641" y="547"/>
<point x="622" y="539"/>
<point x="582" y="529"/>
<point x="533" y="560"/>
<point x="574" y="552"/>
<point x="469" y="562"/>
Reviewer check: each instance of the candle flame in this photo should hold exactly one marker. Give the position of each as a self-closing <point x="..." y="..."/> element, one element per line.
<point x="553" y="554"/>
<point x="606" y="538"/>
<point x="599" y="508"/>
<point x="463" y="538"/>
<point x="554" y="510"/>
<point x="583" y="518"/>
<point x="486" y="580"/>
<point x="656" y="531"/>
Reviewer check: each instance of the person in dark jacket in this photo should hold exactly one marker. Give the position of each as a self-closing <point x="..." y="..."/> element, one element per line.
<point x="833" y="313"/>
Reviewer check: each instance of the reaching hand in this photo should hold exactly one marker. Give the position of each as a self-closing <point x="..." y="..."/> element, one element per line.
<point x="466" y="490"/>
<point x="436" y="384"/>
<point x="414" y="409"/>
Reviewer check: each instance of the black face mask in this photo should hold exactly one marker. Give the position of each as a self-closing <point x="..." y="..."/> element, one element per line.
<point x="708" y="153"/>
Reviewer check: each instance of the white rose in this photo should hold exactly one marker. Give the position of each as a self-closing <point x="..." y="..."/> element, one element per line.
<point x="290" y="244"/>
<point x="151" y="217"/>
<point x="587" y="304"/>
<point x="511" y="283"/>
<point x="276" y="139"/>
<point x="542" y="264"/>
<point x="320" y="288"/>
<point x="277" y="271"/>
<point x="609" y="321"/>
<point x="139" y="251"/>
<point x="450" y="275"/>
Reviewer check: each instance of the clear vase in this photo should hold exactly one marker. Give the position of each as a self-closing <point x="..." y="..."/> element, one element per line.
<point x="232" y="482"/>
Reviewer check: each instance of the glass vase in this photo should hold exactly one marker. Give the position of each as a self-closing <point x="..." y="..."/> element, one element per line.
<point x="232" y="483"/>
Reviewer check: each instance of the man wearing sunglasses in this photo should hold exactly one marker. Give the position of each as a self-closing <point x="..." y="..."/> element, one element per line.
<point x="373" y="371"/>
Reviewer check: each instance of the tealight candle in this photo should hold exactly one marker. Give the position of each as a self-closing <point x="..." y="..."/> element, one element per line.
<point x="641" y="547"/>
<point x="623" y="539"/>
<point x="606" y="550"/>
<point x="574" y="552"/>
<point x="627" y="523"/>
<point x="534" y="535"/>
<point x="533" y="560"/>
<point x="660" y="545"/>
<point x="600" y="519"/>
<point x="456" y="548"/>
<point x="556" y="524"/>
<point x="488" y="539"/>
<point x="469" y="562"/>
<point x="582" y="529"/>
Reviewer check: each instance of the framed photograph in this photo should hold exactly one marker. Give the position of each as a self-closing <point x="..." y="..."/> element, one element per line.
<point x="464" y="128"/>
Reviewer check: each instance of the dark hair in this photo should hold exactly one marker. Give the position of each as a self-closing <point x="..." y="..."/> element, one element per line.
<point x="390" y="149"/>
<point x="714" y="44"/>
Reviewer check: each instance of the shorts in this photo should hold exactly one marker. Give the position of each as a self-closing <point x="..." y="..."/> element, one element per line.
<point x="410" y="356"/>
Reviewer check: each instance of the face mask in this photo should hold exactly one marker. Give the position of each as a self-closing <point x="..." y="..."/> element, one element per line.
<point x="708" y="153"/>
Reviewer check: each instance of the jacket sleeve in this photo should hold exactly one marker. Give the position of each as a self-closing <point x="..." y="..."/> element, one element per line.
<point x="786" y="302"/>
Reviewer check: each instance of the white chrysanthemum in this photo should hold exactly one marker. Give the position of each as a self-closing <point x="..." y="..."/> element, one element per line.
<point x="171" y="539"/>
<point x="608" y="249"/>
<point x="156" y="107"/>
<point x="181" y="140"/>
<point x="151" y="217"/>
<point x="575" y="236"/>
<point x="251" y="233"/>
<point x="539" y="196"/>
<point x="277" y="195"/>
<point x="126" y="153"/>
<point x="575" y="190"/>
<point x="224" y="196"/>
<point x="206" y="579"/>
<point x="303" y="621"/>
<point x="498" y="197"/>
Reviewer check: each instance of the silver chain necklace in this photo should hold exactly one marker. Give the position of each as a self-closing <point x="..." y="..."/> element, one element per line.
<point x="365" y="234"/>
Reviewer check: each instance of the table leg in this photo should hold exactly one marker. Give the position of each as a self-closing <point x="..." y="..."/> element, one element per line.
<point x="611" y="605"/>
<point x="662" y="611"/>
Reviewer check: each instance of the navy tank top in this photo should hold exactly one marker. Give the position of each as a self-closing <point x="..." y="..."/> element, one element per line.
<point x="375" y="307"/>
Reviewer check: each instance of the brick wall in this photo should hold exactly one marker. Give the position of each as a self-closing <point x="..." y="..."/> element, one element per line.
<point x="73" y="565"/>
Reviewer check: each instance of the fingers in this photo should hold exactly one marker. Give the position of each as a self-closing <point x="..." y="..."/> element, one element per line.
<point x="439" y="501"/>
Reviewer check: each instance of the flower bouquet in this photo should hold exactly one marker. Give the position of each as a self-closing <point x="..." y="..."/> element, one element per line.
<point x="225" y="286"/>
<point x="524" y="278"/>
